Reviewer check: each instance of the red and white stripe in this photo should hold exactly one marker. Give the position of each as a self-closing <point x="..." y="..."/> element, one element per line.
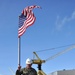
<point x="30" y="19"/>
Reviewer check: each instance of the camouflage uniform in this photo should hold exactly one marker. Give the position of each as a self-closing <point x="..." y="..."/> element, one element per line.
<point x="26" y="71"/>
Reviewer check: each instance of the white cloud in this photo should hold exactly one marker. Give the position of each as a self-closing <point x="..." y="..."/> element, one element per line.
<point x="60" y="23"/>
<point x="73" y="15"/>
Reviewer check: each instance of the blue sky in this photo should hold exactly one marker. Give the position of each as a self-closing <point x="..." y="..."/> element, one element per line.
<point x="54" y="27"/>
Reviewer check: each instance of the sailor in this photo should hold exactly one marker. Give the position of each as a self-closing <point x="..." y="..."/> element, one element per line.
<point x="28" y="70"/>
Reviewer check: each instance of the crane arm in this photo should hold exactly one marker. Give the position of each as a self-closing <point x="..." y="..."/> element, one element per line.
<point x="38" y="60"/>
<point x="36" y="55"/>
<point x="64" y="51"/>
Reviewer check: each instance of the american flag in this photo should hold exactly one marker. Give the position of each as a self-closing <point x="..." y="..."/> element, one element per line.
<point x="26" y="19"/>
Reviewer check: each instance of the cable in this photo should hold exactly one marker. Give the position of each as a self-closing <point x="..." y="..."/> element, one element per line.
<point x="54" y="48"/>
<point x="59" y="53"/>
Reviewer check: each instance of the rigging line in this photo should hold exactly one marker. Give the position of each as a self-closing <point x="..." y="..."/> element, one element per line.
<point x="62" y="52"/>
<point x="54" y="48"/>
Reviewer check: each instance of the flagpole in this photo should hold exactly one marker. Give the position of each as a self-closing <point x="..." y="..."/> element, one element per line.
<point x="26" y="15"/>
<point x="19" y="53"/>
